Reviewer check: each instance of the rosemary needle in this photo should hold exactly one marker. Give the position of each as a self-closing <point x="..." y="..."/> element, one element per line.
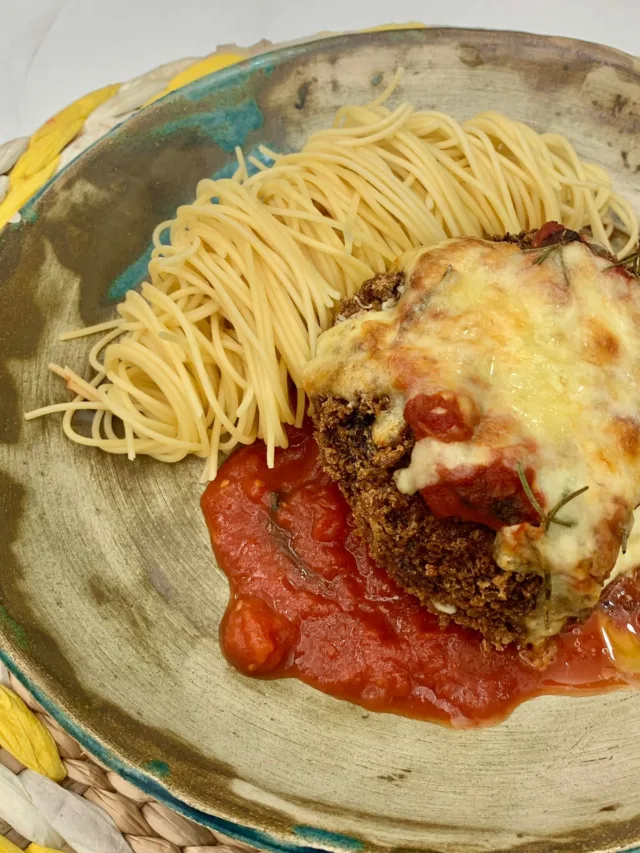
<point x="528" y="490"/>
<point x="550" y="517"/>
<point x="625" y="540"/>
<point x="631" y="260"/>
<point x="545" y="253"/>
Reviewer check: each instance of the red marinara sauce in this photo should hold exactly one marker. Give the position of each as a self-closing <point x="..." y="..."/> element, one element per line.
<point x="308" y="602"/>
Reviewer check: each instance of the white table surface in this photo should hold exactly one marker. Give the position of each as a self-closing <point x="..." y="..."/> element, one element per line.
<point x="52" y="51"/>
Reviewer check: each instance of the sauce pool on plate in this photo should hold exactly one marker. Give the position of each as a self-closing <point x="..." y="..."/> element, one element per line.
<point x="308" y="602"/>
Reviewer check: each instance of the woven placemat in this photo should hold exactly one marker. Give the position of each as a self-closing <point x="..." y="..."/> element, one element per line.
<point x="53" y="795"/>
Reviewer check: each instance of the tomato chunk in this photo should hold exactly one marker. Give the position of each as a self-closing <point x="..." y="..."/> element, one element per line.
<point x="491" y="495"/>
<point x="257" y="638"/>
<point x="549" y="234"/>
<point x="446" y="416"/>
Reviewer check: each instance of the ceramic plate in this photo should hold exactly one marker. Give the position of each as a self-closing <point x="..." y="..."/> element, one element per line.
<point x="110" y="597"/>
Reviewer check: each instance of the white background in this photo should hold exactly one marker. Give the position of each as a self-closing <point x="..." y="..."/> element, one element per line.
<point x="52" y="51"/>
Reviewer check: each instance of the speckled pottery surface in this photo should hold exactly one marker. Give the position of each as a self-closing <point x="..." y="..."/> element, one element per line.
<point x="110" y="597"/>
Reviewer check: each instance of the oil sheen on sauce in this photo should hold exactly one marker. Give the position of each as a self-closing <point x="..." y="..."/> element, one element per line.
<point x="308" y="602"/>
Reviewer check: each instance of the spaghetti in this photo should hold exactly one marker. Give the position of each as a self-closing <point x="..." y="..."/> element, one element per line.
<point x="210" y="353"/>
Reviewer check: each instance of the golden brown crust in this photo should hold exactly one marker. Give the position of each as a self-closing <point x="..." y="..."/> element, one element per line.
<point x="442" y="560"/>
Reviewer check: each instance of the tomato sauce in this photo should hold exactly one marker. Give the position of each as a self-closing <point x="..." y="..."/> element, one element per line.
<point x="308" y="602"/>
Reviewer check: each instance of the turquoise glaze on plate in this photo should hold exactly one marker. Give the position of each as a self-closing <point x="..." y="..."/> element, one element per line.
<point x="137" y="271"/>
<point x="110" y="600"/>
<point x="228" y="127"/>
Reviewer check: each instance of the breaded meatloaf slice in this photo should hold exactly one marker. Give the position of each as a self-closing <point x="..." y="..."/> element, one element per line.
<point x="458" y="499"/>
<point x="448" y="564"/>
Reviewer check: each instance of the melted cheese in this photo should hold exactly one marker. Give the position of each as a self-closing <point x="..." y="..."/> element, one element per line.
<point x="549" y="352"/>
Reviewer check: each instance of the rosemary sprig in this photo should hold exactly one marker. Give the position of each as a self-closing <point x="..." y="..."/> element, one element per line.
<point x="548" y="518"/>
<point x="630" y="263"/>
